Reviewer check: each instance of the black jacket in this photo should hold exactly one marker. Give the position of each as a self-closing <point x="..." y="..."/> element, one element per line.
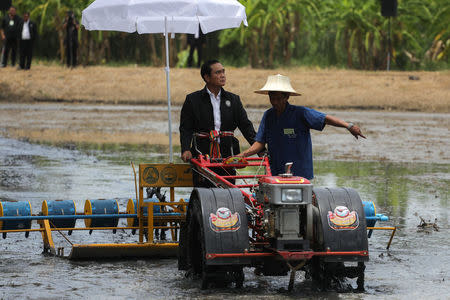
<point x="11" y="27"/>
<point x="197" y="116"/>
<point x="32" y="27"/>
<point x="71" y="38"/>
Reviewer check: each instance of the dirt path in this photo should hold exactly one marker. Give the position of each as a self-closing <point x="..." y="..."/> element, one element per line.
<point x="330" y="89"/>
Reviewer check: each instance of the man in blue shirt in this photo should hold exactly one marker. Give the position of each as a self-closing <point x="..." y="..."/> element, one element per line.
<point x="285" y="128"/>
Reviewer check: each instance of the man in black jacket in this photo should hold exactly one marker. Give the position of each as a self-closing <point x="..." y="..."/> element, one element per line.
<point x="213" y="108"/>
<point x="27" y="34"/>
<point x="9" y="33"/>
<point x="195" y="43"/>
<point x="71" y="40"/>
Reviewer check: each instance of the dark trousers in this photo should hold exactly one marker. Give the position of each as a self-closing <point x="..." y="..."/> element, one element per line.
<point x="26" y="53"/>
<point x="71" y="54"/>
<point x="10" y="45"/>
<point x="192" y="47"/>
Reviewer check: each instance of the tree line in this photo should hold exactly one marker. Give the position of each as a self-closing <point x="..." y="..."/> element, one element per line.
<point x="345" y="33"/>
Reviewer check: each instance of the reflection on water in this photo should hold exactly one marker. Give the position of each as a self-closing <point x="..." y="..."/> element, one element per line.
<point x="396" y="188"/>
<point x="417" y="265"/>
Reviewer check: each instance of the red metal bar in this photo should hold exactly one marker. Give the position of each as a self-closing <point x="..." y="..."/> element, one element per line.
<point x="221" y="165"/>
<point x="245" y="254"/>
<point x="244" y="176"/>
<point x="246" y="185"/>
<point x="288" y="255"/>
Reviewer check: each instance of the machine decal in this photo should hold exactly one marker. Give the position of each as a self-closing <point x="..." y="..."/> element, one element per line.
<point x="343" y="219"/>
<point x="169" y="175"/>
<point x="224" y="220"/>
<point x="301" y="180"/>
<point x="151" y="175"/>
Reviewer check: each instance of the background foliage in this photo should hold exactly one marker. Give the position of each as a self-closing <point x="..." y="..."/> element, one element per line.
<point x="344" y="33"/>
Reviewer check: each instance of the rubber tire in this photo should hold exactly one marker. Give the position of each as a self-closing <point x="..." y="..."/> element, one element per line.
<point x="323" y="274"/>
<point x="196" y="253"/>
<point x="238" y="278"/>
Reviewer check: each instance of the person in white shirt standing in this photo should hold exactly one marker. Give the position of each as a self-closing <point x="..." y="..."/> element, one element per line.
<point x="212" y="109"/>
<point x="27" y="32"/>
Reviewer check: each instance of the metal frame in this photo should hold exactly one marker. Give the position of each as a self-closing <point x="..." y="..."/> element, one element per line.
<point x="183" y="175"/>
<point x="204" y="165"/>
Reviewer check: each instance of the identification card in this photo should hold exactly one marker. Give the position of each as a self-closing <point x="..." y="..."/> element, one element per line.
<point x="289" y="131"/>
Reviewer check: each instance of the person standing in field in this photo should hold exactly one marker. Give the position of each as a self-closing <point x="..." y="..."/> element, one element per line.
<point x="212" y="109"/>
<point x="28" y="33"/>
<point x="195" y="43"/>
<point x="71" y="26"/>
<point x="285" y="128"/>
<point x="9" y="32"/>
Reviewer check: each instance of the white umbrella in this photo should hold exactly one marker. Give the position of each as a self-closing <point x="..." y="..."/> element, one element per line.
<point x="164" y="16"/>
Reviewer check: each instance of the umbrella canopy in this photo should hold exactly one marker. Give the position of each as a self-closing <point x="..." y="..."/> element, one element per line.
<point x="164" y="16"/>
<point x="148" y="16"/>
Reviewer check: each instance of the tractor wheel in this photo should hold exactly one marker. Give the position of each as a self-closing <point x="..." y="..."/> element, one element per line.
<point x="326" y="275"/>
<point x="238" y="277"/>
<point x="196" y="251"/>
<point x="313" y="228"/>
<point x="331" y="275"/>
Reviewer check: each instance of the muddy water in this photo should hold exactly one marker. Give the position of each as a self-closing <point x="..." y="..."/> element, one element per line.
<point x="403" y="186"/>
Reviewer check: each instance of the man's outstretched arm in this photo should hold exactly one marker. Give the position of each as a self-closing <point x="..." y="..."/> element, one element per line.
<point x="334" y="121"/>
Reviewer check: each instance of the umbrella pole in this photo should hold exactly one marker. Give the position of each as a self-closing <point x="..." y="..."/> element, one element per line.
<point x="166" y="34"/>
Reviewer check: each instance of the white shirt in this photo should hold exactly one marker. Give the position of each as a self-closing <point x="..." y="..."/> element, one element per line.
<point x="26" y="31"/>
<point x="215" y="102"/>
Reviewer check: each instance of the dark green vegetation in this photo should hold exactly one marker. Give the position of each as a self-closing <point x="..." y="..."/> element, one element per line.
<point x="347" y="33"/>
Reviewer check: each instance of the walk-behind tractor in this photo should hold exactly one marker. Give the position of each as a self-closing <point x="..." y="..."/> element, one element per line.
<point x="248" y="218"/>
<point x="279" y="224"/>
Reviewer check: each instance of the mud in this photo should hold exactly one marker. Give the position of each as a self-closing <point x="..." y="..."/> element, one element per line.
<point x="403" y="166"/>
<point x="391" y="136"/>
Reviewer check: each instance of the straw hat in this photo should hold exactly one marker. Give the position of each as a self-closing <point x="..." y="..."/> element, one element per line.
<point x="278" y="83"/>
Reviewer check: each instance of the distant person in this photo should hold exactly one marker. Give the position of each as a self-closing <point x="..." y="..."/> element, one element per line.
<point x="9" y="32"/>
<point x="71" y="40"/>
<point x="28" y="33"/>
<point x="195" y="43"/>
<point x="285" y="128"/>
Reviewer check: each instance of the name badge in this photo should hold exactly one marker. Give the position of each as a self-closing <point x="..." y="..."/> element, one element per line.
<point x="11" y="22"/>
<point x="289" y="131"/>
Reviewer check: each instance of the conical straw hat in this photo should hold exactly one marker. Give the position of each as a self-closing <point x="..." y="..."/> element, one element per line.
<point x="278" y="83"/>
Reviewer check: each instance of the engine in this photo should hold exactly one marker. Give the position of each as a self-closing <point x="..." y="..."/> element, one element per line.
<point x="285" y="199"/>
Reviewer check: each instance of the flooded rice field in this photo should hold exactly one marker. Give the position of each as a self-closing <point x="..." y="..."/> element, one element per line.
<point x="403" y="167"/>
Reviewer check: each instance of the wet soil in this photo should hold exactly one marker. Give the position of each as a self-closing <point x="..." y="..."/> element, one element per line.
<point x="391" y="136"/>
<point x="403" y="166"/>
